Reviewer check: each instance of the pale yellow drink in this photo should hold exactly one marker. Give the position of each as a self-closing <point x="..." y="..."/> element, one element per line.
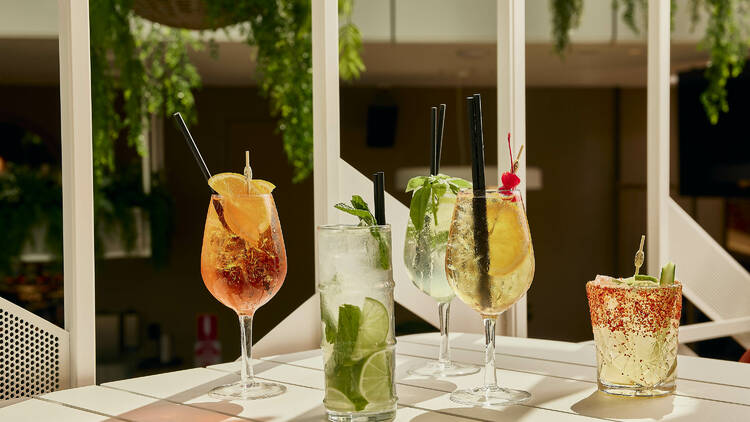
<point x="490" y="287"/>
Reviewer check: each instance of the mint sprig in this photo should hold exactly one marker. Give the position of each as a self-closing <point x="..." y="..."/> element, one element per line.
<point x="361" y="210"/>
<point x="427" y="193"/>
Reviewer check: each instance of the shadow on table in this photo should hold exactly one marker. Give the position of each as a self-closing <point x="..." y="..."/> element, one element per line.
<point x="510" y="413"/>
<point x="602" y="405"/>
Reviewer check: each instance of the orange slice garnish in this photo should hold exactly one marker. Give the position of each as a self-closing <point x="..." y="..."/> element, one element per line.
<point x="246" y="216"/>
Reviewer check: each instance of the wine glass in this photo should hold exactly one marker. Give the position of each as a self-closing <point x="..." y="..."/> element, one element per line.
<point x="489" y="263"/>
<point x="243" y="264"/>
<point x="424" y="256"/>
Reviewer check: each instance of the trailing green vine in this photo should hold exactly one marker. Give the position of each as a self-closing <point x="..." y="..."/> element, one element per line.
<point x="281" y="31"/>
<point x="726" y="39"/>
<point x="137" y="69"/>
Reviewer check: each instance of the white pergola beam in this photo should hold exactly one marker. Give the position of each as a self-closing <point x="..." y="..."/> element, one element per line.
<point x="658" y="134"/>
<point x="325" y="59"/>
<point x="78" y="189"/>
<point x="511" y="115"/>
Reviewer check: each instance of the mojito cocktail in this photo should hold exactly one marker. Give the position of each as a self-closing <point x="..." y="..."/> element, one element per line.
<point x="356" y="304"/>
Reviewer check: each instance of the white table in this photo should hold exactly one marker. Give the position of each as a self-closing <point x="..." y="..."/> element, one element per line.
<point x="560" y="376"/>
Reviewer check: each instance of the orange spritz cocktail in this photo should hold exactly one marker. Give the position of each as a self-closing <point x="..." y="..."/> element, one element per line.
<point x="243" y="264"/>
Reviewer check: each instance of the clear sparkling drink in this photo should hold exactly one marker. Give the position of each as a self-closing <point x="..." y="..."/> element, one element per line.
<point x="355" y="281"/>
<point x="635" y="331"/>
<point x="424" y="252"/>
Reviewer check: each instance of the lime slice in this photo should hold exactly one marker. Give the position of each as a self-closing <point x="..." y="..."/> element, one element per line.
<point x="336" y="400"/>
<point x="375" y="378"/>
<point x="373" y="329"/>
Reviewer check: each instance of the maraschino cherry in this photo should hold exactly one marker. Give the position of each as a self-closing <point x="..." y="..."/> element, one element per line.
<point x="509" y="178"/>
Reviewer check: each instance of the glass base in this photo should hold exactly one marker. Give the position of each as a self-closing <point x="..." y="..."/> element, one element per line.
<point x="438" y="369"/>
<point x="364" y="416"/>
<point x="489" y="396"/>
<point x="637" y="391"/>
<point x="253" y="391"/>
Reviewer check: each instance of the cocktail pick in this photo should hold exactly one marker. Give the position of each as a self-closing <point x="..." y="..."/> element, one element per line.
<point x="378" y="182"/>
<point x="248" y="171"/>
<point x="639" y="256"/>
<point x="192" y="146"/>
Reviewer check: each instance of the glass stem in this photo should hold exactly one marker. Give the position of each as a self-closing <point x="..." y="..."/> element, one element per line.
<point x="444" y="310"/>
<point x="490" y="376"/>
<point x="246" y="341"/>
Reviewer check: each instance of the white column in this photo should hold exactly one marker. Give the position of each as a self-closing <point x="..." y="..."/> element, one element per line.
<point x="78" y="188"/>
<point x="325" y="46"/>
<point x="511" y="114"/>
<point x="658" y="134"/>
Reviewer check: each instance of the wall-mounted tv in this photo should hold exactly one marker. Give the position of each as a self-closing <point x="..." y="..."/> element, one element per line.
<point x="714" y="159"/>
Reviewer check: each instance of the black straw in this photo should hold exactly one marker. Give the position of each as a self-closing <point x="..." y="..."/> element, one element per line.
<point x="192" y="146"/>
<point x="440" y="127"/>
<point x="378" y="182"/>
<point x="478" y="203"/>
<point x="433" y="141"/>
<point x="477" y="146"/>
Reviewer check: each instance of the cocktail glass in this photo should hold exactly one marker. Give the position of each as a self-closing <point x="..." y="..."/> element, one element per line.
<point x="635" y="332"/>
<point x="355" y="281"/>
<point x="243" y="264"/>
<point x="490" y="265"/>
<point x="424" y="256"/>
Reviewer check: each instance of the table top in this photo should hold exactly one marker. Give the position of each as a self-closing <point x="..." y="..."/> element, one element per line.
<point x="560" y="376"/>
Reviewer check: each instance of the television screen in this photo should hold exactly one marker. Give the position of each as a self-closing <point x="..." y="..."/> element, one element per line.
<point x="714" y="159"/>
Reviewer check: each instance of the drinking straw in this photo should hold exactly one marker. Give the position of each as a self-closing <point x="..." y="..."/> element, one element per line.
<point x="192" y="146"/>
<point x="477" y="146"/>
<point x="378" y="180"/>
<point x="479" y="204"/>
<point x="433" y="141"/>
<point x="440" y="127"/>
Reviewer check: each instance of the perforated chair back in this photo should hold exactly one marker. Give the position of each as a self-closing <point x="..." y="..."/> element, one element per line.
<point x="34" y="354"/>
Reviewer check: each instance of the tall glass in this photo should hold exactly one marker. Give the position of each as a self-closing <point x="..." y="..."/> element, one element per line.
<point x="490" y="264"/>
<point x="635" y="332"/>
<point x="355" y="281"/>
<point x="243" y="264"/>
<point x="424" y="256"/>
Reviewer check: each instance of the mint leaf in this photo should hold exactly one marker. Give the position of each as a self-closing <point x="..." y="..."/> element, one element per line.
<point x="346" y="336"/>
<point x="360" y="209"/>
<point x="458" y="182"/>
<point x="384" y="253"/>
<point x="359" y="203"/>
<point x="415" y="183"/>
<point x="330" y="329"/>
<point x="418" y="208"/>
<point x="365" y="216"/>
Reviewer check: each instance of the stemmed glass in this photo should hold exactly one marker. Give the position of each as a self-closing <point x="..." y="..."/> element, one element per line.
<point x="490" y="264"/>
<point x="424" y="256"/>
<point x="243" y="264"/>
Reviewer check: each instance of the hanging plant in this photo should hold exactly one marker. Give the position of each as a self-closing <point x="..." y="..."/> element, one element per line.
<point x="281" y="32"/>
<point x="137" y="69"/>
<point x="726" y="39"/>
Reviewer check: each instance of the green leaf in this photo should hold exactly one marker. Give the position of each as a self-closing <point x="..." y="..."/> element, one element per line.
<point x="459" y="183"/>
<point x="415" y="183"/>
<point x="359" y="203"/>
<point x="348" y="327"/>
<point x="360" y="209"/>
<point x="365" y="216"/>
<point x="418" y="207"/>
